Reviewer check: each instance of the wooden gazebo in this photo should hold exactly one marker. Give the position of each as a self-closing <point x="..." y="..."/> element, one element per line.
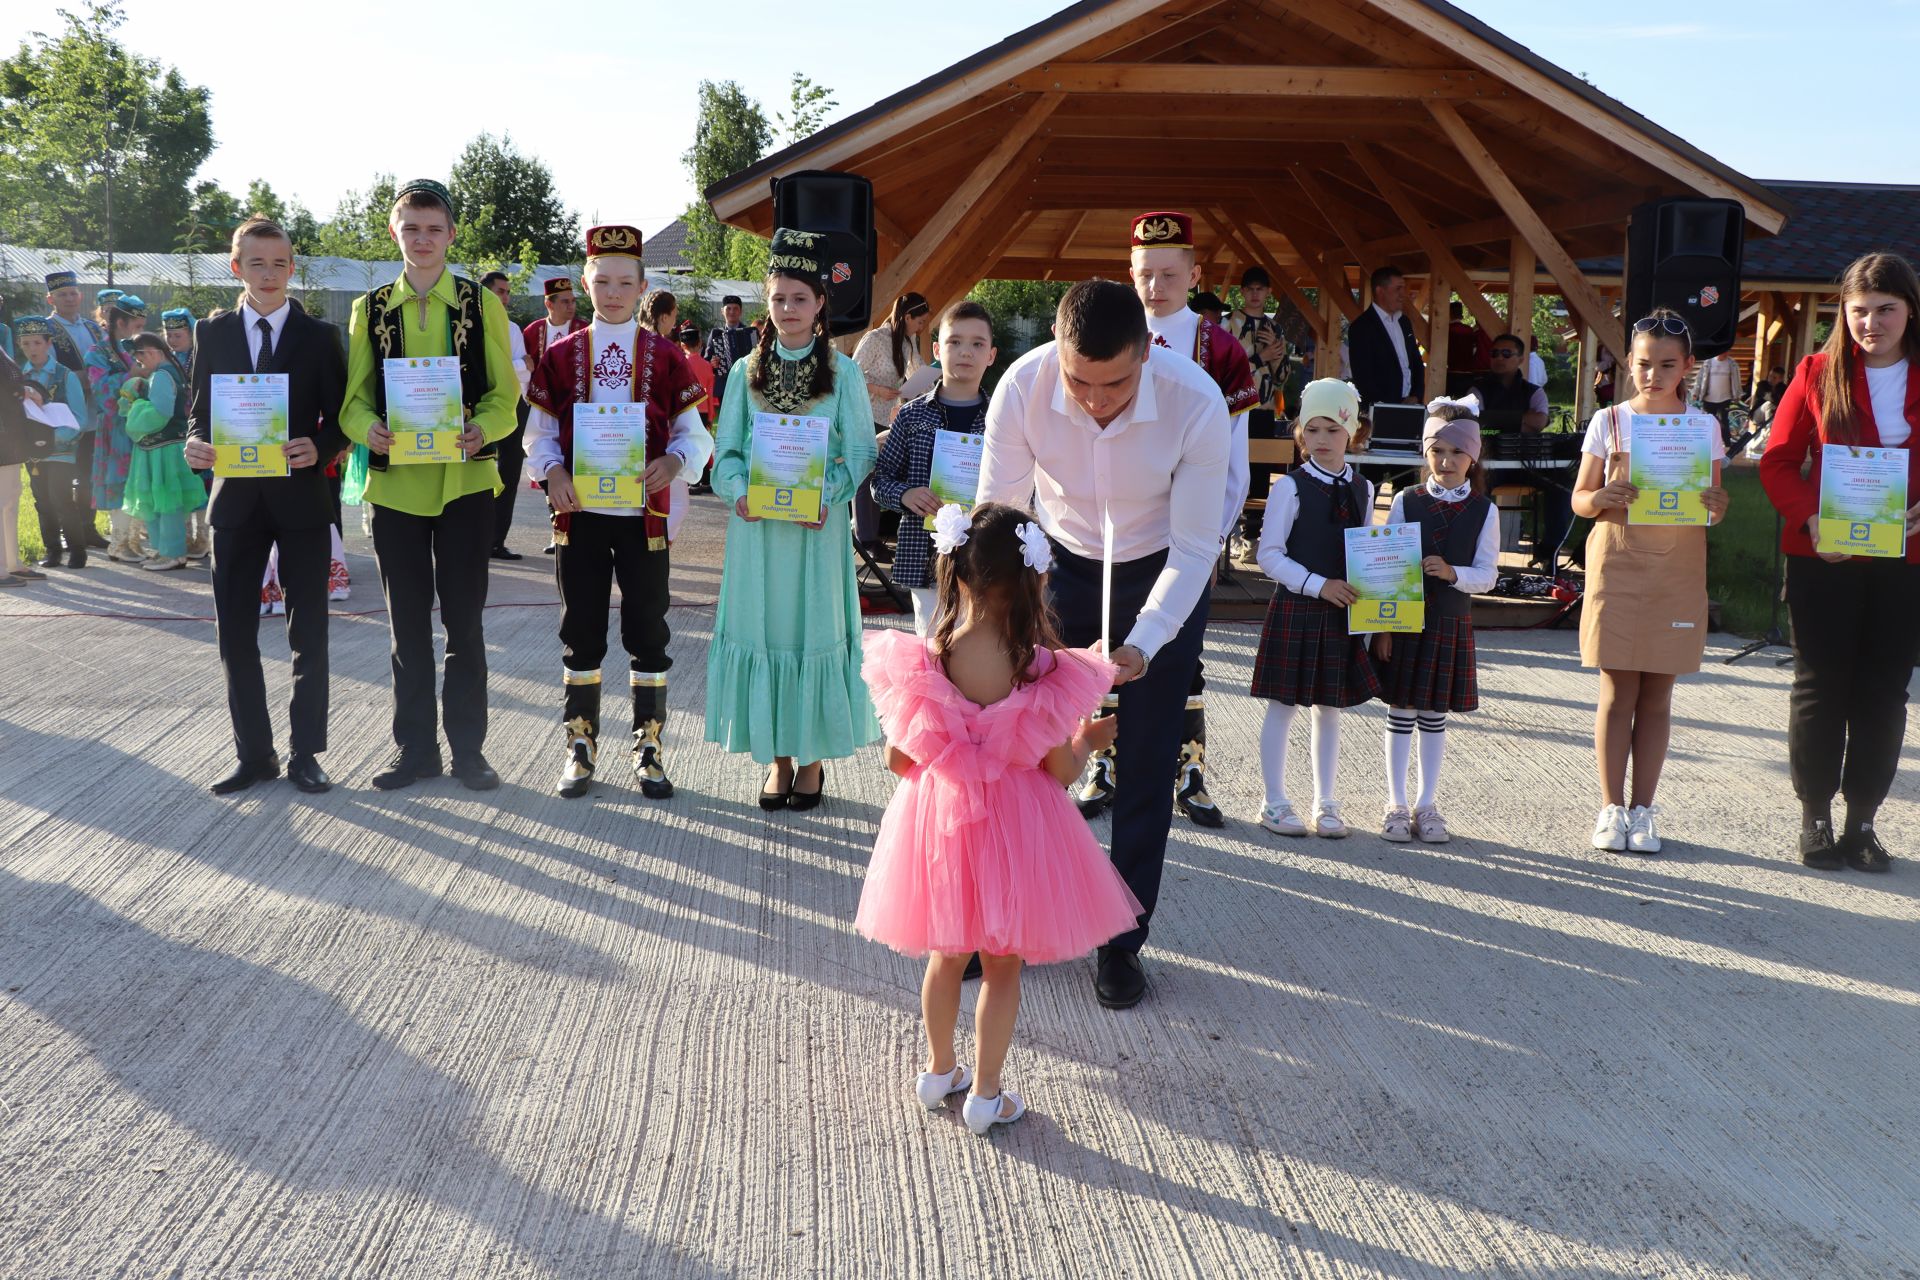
<point x="1319" y="138"/>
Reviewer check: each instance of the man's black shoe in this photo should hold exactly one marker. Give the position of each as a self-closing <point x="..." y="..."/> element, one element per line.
<point x="1864" y="852"/>
<point x="97" y="541"/>
<point x="404" y="770"/>
<point x="506" y="553"/>
<point x="246" y="774"/>
<point x="1817" y="849"/>
<point x="1119" y="982"/>
<point x="51" y="560"/>
<point x="475" y="773"/>
<point x="304" y="772"/>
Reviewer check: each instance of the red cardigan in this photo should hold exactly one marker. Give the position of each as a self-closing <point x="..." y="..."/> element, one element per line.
<point x="1797" y="436"/>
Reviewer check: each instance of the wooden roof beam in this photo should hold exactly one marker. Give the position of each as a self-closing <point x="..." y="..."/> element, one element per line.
<point x="1338" y="215"/>
<point x="1440" y="258"/>
<point x="1580" y="294"/>
<point x="1337" y="289"/>
<point x="1253" y="251"/>
<point x="939" y="229"/>
<point x="1255" y="81"/>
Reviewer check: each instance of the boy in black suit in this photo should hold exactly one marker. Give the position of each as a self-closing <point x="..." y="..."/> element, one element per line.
<point x="267" y="333"/>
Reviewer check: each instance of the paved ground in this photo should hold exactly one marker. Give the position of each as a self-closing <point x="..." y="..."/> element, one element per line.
<point x="433" y="1034"/>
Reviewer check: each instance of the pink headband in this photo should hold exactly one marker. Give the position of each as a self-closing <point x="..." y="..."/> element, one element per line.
<point x="1453" y="422"/>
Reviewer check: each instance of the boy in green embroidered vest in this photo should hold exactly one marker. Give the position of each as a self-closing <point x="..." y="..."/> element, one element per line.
<point x="432" y="522"/>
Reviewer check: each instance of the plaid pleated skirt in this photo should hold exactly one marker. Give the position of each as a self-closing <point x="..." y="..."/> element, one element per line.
<point x="1308" y="658"/>
<point x="1435" y="670"/>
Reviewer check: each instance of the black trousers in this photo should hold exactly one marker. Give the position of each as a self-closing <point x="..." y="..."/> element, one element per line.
<point x="1151" y="711"/>
<point x="1856" y="635"/>
<point x="239" y="562"/>
<point x="513" y="461"/>
<point x="600" y="548"/>
<point x="59" y="508"/>
<point x="421" y="557"/>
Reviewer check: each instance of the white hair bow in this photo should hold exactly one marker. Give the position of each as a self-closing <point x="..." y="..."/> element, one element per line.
<point x="1035" y="549"/>
<point x="950" y="525"/>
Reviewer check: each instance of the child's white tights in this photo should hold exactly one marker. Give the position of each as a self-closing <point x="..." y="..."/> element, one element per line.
<point x="1273" y="751"/>
<point x="1433" y="748"/>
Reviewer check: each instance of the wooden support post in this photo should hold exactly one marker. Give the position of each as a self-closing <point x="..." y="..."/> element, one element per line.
<point x="1803" y="344"/>
<point x="1763" y="320"/>
<point x="1583" y="399"/>
<point x="1439" y="289"/>
<point x="1581" y="295"/>
<point x="1440" y="258"/>
<point x="1326" y="355"/>
<point x="1520" y="271"/>
<point x="940" y="228"/>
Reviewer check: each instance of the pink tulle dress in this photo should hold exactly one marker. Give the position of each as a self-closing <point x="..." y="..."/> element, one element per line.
<point x="981" y="849"/>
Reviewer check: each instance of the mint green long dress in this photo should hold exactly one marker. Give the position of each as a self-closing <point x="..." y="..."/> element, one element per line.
<point x="783" y="673"/>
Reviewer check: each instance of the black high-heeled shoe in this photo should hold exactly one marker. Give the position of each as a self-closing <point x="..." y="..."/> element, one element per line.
<point x="773" y="800"/>
<point x="798" y="799"/>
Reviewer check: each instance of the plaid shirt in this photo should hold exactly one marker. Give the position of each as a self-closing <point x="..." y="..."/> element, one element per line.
<point x="907" y="463"/>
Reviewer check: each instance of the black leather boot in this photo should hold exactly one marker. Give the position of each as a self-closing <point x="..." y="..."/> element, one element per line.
<point x="1096" y="789"/>
<point x="649" y="722"/>
<point x="582" y="719"/>
<point x="1190" y="779"/>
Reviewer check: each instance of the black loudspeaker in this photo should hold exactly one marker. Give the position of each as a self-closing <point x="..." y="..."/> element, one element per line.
<point x="839" y="206"/>
<point x="1685" y="254"/>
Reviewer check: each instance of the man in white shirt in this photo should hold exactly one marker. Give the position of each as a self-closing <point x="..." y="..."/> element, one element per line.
<point x="1719" y="385"/>
<point x="1387" y="365"/>
<point x="1098" y="427"/>
<point x="513" y="449"/>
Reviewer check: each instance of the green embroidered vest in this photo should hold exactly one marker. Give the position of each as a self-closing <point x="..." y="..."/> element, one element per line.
<point x="466" y="331"/>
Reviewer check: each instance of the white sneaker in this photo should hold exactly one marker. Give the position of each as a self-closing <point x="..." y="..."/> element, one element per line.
<point x="1397" y="826"/>
<point x="981" y="1114"/>
<point x="932" y="1090"/>
<point x="1327" y="823"/>
<point x="1610" y="829"/>
<point x="1641" y="837"/>
<point x="163" y="564"/>
<point x="278" y="608"/>
<point x="339" y="593"/>
<point x="1430" y="826"/>
<point x="1282" y="820"/>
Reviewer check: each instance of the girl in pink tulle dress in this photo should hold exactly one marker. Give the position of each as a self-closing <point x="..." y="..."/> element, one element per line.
<point x="981" y="850"/>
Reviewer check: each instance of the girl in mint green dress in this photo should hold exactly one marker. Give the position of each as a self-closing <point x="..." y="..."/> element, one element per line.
<point x="783" y="673"/>
<point x="161" y="488"/>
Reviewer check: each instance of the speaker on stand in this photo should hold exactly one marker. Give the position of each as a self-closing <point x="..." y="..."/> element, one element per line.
<point x="840" y="207"/>
<point x="1685" y="254"/>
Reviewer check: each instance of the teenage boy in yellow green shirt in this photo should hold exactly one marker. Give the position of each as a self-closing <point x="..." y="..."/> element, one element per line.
<point x="433" y="522"/>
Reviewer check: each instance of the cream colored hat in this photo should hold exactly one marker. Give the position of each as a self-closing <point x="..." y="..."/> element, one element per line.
<point x="1331" y="398"/>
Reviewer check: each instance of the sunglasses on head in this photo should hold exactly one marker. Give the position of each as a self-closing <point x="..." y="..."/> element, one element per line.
<point x="1671" y="324"/>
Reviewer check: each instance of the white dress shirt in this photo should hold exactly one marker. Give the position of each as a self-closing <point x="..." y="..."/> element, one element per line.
<point x="1399" y="341"/>
<point x="1283" y="507"/>
<point x="1480" y="575"/>
<point x="1181" y="332"/>
<point x="613" y="346"/>
<point x="1536" y="369"/>
<point x="517" y="342"/>
<point x="250" y="320"/>
<point x="1159" y="469"/>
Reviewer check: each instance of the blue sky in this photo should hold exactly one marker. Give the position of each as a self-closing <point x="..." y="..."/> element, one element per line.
<point x="304" y="104"/>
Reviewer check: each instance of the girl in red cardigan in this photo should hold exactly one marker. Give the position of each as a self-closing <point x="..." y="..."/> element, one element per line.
<point x="1856" y="619"/>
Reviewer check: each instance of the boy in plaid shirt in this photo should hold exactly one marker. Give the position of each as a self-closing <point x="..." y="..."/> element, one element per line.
<point x="900" y="476"/>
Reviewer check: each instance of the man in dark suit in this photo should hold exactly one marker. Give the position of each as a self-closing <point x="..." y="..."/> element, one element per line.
<point x="268" y="334"/>
<point x="1381" y="349"/>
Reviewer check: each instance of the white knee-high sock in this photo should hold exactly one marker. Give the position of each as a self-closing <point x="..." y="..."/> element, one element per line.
<point x="1399" y="752"/>
<point x="1433" y="749"/>
<point x="1326" y="752"/>
<point x="1273" y="750"/>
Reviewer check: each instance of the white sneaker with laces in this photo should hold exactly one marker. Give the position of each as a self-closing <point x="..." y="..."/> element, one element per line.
<point x="1610" y="829"/>
<point x="1430" y="826"/>
<point x="933" y="1090"/>
<point x="1282" y="820"/>
<point x="1641" y="837"/>
<point x="981" y="1114"/>
<point x="1397" y="826"/>
<point x="1327" y="823"/>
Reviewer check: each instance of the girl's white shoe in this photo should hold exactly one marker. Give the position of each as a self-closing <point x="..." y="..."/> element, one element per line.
<point x="1610" y="829"/>
<point x="932" y="1090"/>
<point x="981" y="1114"/>
<point x="1282" y="820"/>
<point x="1397" y="826"/>
<point x="1641" y="837"/>
<point x="1327" y="823"/>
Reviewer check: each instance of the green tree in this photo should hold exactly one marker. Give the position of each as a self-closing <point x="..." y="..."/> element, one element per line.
<point x="358" y="227"/>
<point x="101" y="145"/>
<point x="507" y="198"/>
<point x="808" y="105"/>
<point x="729" y="133"/>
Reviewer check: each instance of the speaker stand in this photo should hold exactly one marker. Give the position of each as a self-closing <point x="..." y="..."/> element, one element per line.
<point x="1774" y="638"/>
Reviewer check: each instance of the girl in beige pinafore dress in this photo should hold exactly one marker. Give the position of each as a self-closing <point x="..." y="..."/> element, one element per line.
<point x="1643" y="620"/>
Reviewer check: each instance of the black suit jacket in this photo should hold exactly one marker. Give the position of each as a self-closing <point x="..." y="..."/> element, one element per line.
<point x="1376" y="369"/>
<point x="309" y="352"/>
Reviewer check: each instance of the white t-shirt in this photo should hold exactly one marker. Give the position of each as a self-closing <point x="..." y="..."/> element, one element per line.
<point x="1887" y="388"/>
<point x="1601" y="438"/>
<point x="1178" y="332"/>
